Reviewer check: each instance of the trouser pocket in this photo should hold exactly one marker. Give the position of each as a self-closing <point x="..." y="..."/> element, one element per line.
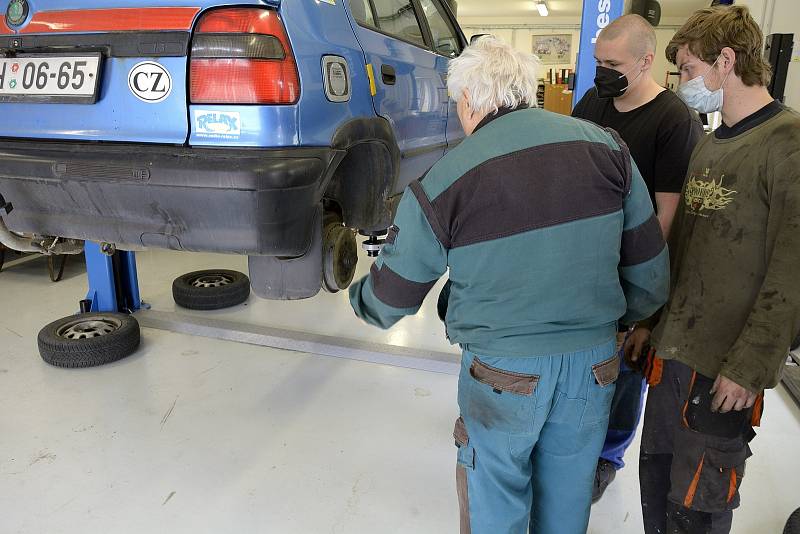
<point x="503" y="381"/>
<point x="600" y="393"/>
<point x="707" y="471"/>
<point x="498" y="398"/>
<point x="606" y="372"/>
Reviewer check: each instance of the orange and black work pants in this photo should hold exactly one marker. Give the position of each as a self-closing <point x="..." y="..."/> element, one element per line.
<point x="692" y="460"/>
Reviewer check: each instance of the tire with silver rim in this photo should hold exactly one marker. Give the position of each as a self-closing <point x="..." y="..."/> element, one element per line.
<point x="89" y="339"/>
<point x="211" y="290"/>
<point x="339" y="256"/>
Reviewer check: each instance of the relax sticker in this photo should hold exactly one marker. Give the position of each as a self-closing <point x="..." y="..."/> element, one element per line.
<point x="217" y="124"/>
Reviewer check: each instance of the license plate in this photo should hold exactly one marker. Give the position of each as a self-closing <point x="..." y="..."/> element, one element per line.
<point x="50" y="78"/>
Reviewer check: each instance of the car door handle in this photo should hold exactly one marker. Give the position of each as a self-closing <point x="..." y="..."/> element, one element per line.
<point x="388" y="75"/>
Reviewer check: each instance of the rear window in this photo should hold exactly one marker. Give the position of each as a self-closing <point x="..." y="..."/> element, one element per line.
<point x="445" y="38"/>
<point x="362" y="12"/>
<point x="395" y="17"/>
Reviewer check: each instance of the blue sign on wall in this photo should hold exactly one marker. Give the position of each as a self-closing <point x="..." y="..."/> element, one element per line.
<point x="597" y="14"/>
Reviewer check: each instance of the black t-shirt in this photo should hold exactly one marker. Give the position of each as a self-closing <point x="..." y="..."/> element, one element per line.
<point x="751" y="121"/>
<point x="660" y="134"/>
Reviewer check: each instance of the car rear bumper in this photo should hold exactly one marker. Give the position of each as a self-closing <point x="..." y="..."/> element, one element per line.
<point x="243" y="201"/>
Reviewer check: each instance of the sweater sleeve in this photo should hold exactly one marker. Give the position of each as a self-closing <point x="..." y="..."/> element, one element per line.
<point x="756" y="359"/>
<point x="644" y="260"/>
<point x="410" y="263"/>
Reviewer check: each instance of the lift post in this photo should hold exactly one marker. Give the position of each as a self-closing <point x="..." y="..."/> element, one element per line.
<point x="113" y="280"/>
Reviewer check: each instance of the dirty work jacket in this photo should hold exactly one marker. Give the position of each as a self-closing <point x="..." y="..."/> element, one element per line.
<point x="548" y="232"/>
<point x="735" y="305"/>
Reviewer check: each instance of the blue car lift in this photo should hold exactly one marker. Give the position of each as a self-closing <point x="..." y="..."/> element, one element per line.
<point x="113" y="282"/>
<point x="597" y="14"/>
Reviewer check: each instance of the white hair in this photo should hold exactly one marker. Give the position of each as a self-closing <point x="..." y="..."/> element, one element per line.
<point x="495" y="74"/>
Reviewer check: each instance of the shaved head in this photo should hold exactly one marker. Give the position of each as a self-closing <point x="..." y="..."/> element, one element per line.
<point x="639" y="34"/>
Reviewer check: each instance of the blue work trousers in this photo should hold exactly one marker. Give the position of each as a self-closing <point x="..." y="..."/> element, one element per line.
<point x="626" y="412"/>
<point x="528" y="439"/>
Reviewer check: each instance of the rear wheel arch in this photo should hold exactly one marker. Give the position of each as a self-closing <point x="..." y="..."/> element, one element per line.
<point x="363" y="182"/>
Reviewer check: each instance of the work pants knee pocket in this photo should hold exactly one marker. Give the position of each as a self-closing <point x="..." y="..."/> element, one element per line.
<point x="466" y="452"/>
<point x="707" y="471"/>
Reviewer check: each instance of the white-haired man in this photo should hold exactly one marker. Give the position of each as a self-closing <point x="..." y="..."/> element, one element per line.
<point x="528" y="214"/>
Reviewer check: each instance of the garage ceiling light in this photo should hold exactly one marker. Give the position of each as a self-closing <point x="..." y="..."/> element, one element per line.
<point x="541" y="5"/>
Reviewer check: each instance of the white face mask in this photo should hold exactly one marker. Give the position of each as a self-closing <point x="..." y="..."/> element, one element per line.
<point x="699" y="97"/>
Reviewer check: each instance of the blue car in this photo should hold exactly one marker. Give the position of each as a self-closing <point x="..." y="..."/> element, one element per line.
<point x="275" y="129"/>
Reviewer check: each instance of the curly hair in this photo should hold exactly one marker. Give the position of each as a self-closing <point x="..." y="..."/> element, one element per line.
<point x="710" y="30"/>
<point x="495" y="74"/>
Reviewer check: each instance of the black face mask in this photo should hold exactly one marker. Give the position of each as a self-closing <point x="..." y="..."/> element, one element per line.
<point x="610" y="83"/>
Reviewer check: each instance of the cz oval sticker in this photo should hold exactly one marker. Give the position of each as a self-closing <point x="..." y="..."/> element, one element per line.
<point x="150" y="82"/>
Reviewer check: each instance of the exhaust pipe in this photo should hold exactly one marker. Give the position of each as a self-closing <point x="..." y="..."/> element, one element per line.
<point x="49" y="246"/>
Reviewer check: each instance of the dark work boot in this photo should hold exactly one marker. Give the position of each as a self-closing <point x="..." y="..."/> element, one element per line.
<point x="602" y="478"/>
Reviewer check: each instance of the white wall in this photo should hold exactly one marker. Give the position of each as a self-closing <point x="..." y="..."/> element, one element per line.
<point x="509" y="30"/>
<point x="774" y="16"/>
<point x="781" y="16"/>
<point x="522" y="38"/>
<point x="785" y="18"/>
<point x="758" y="8"/>
<point x="660" y="65"/>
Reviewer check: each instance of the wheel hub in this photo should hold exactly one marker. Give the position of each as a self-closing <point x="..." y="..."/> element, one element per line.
<point x="89" y="328"/>
<point x="340" y="256"/>
<point x="211" y="280"/>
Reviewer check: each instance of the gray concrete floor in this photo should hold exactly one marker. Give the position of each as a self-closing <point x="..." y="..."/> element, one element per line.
<point x="196" y="435"/>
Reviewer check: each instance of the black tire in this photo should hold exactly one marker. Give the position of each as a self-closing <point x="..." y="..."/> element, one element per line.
<point x="89" y="339"/>
<point x="793" y="524"/>
<point x="211" y="290"/>
<point x="796" y="342"/>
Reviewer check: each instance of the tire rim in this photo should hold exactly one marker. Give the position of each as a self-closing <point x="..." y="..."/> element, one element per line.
<point x="340" y="257"/>
<point x="89" y="328"/>
<point x="211" y="280"/>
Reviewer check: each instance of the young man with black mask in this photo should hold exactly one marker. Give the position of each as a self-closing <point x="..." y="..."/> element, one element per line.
<point x="661" y="133"/>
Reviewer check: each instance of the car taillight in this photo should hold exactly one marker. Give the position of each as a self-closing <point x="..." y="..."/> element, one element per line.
<point x="242" y="56"/>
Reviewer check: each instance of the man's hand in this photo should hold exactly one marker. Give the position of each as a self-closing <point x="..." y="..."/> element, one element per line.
<point x="621" y="337"/>
<point x="728" y="395"/>
<point x="633" y="346"/>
